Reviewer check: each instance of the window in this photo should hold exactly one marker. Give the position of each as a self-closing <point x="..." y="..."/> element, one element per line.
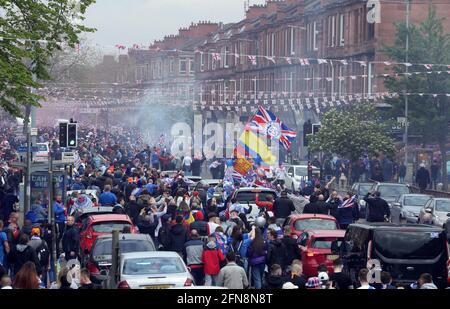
<point x="272" y="49"/>
<point x="315" y="224"/>
<point x="109" y="227"/>
<point x="191" y="67"/>
<point x="267" y="45"/>
<point x="153" y="266"/>
<point x="171" y="65"/>
<point x="202" y="62"/>
<point x="225" y="57"/>
<point x="183" y="66"/>
<point x="315" y="35"/>
<point x="292" y="31"/>
<point x="333" y="31"/>
<point x="341" y="29"/>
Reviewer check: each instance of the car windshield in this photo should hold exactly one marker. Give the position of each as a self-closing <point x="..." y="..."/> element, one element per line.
<point x="393" y="190"/>
<point x="247" y="196"/>
<point x="443" y="205"/>
<point x="104" y="247"/>
<point x="108" y="227"/>
<point x="364" y="189"/>
<point x="315" y="224"/>
<point x="409" y="244"/>
<point x="153" y="266"/>
<point x="324" y="243"/>
<point x="417" y="201"/>
<point x="301" y="171"/>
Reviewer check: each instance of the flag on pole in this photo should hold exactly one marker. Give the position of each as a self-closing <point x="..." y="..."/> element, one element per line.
<point x="251" y="146"/>
<point x="216" y="56"/>
<point x="289" y="60"/>
<point x="252" y="59"/>
<point x="265" y="122"/>
<point x="272" y="59"/>
<point x="428" y="66"/>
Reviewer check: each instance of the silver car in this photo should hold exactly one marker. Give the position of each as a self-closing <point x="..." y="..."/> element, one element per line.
<point x="407" y="207"/>
<point x="435" y="212"/>
<point x="153" y="270"/>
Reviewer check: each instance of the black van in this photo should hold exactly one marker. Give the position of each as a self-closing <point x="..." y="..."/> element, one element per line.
<point x="406" y="251"/>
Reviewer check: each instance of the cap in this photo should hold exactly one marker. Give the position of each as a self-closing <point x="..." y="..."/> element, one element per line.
<point x="289" y="286"/>
<point x="313" y="282"/>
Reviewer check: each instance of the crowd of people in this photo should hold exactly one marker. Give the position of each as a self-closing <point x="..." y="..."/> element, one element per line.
<point x="212" y="234"/>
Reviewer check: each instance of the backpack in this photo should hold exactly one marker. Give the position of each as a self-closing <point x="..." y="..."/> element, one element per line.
<point x="43" y="253"/>
<point x="237" y="250"/>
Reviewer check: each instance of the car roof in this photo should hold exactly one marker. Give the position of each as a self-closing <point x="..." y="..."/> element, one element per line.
<point x="312" y="216"/>
<point x="391" y="184"/>
<point x="416" y="194"/>
<point x="109" y="217"/>
<point x="150" y="254"/>
<point x="326" y="233"/>
<point x="364" y="183"/>
<point x="126" y="237"/>
<point x="390" y="226"/>
<point x="441" y="198"/>
<point x="255" y="189"/>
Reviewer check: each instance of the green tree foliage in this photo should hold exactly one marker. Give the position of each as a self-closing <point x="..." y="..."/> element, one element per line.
<point x="31" y="31"/>
<point x="428" y="116"/>
<point x="352" y="132"/>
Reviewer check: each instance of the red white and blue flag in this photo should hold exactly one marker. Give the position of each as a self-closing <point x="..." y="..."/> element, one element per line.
<point x="267" y="123"/>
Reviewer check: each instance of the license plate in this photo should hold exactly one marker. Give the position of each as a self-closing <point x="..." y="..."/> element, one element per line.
<point x="332" y="257"/>
<point x="157" y="287"/>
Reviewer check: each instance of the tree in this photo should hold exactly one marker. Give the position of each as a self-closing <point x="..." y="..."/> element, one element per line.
<point x="428" y="115"/>
<point x="31" y="32"/>
<point x="352" y="132"/>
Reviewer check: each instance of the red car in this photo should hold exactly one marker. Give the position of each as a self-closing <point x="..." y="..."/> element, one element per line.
<point x="300" y="223"/>
<point x="97" y="225"/>
<point x="315" y="249"/>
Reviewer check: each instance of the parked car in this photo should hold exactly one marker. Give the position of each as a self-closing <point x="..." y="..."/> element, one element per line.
<point x="296" y="174"/>
<point x="151" y="270"/>
<point x="301" y="223"/>
<point x="404" y="250"/>
<point x="390" y="192"/>
<point x="360" y="189"/>
<point x="315" y="249"/>
<point x="97" y="225"/>
<point x="439" y="209"/>
<point x="212" y="183"/>
<point x="100" y="258"/>
<point x="247" y="196"/>
<point x="407" y="208"/>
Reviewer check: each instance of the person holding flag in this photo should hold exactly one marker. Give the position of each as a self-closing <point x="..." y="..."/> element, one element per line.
<point x="348" y="211"/>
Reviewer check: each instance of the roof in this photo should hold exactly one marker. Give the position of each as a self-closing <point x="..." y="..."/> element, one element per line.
<point x="326" y="233"/>
<point x="312" y="216"/>
<point x="390" y="226"/>
<point x="391" y="184"/>
<point x="109" y="217"/>
<point x="126" y="236"/>
<point x="150" y="254"/>
<point x="255" y="189"/>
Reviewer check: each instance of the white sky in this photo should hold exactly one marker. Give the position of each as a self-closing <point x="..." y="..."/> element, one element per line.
<point x="129" y="22"/>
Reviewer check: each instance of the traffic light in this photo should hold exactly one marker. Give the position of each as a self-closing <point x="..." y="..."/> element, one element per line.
<point x="72" y="138"/>
<point x="307" y="130"/>
<point x="63" y="135"/>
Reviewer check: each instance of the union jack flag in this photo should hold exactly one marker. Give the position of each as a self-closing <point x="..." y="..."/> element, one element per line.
<point x="252" y="59"/>
<point x="267" y="123"/>
<point x="304" y="61"/>
<point x="216" y="56"/>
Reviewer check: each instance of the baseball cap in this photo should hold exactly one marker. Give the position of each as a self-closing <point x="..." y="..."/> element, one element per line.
<point x="289" y="286"/>
<point x="313" y="282"/>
